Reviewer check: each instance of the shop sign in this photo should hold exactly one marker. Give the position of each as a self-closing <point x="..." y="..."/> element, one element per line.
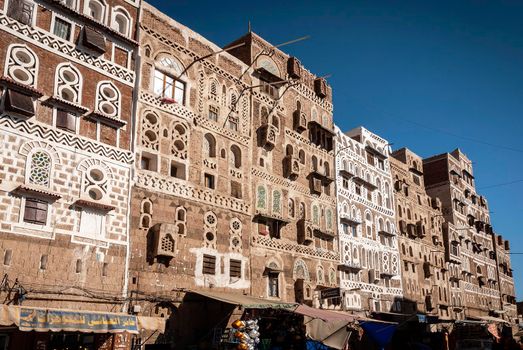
<point x="57" y="320"/>
<point x="330" y="293"/>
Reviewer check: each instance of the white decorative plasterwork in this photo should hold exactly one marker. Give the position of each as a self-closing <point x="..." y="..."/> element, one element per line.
<point x="48" y="41"/>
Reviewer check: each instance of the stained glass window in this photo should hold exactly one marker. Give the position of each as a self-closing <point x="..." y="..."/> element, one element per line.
<point x="276" y="202"/>
<point x="262" y="197"/>
<point x="40" y="168"/>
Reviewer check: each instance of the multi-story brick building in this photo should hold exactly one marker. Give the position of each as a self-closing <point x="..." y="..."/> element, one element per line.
<point x="190" y="205"/>
<point x="506" y="278"/>
<point x="294" y="252"/>
<point x="66" y="106"/>
<point x="370" y="273"/>
<point x="471" y="250"/>
<point x="420" y="239"/>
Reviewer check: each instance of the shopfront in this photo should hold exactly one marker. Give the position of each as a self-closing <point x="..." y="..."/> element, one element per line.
<point x="57" y="329"/>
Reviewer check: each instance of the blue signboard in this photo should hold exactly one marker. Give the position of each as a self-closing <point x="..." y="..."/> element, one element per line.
<point x="44" y="320"/>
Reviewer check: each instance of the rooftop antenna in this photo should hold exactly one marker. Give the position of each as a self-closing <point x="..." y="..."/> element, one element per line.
<point x="249" y="26"/>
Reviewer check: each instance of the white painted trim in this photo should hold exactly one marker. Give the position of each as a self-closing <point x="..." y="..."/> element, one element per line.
<point x="73" y="26"/>
<point x="67" y="57"/>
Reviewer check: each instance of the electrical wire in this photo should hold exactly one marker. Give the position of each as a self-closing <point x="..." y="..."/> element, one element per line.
<point x="500" y="184"/>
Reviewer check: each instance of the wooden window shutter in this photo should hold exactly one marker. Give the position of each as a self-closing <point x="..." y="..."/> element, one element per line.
<point x="21" y="10"/>
<point x="94" y="39"/>
<point x="235" y="268"/>
<point x="320" y="87"/>
<point x="65" y="120"/>
<point x="20" y="103"/>
<point x="294" y="68"/>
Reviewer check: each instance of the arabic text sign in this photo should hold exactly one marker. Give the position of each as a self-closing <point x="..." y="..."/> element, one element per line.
<point x="45" y="320"/>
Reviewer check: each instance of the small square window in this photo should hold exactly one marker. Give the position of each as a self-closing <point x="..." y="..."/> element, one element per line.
<point x="209" y="181"/>
<point x="148" y="161"/>
<point x="62" y="28"/>
<point x="209" y="265"/>
<point x="233" y="124"/>
<point x="35" y="211"/>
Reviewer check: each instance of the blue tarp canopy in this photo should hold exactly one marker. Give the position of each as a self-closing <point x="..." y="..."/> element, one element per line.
<point x="380" y="332"/>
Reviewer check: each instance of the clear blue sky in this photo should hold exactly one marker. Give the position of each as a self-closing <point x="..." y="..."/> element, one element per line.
<point x="429" y="75"/>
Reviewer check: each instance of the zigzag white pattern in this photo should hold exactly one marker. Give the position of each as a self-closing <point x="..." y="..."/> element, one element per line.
<point x="35" y="130"/>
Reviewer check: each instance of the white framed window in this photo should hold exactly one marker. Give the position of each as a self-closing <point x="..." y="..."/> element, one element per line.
<point x="62" y="28"/>
<point x="72" y="4"/>
<point x="22" y="65"/>
<point x="68" y="83"/>
<point x="121" y="21"/>
<point x="96" y="9"/>
<point x="92" y="223"/>
<point x="168" y="79"/>
<point x="108" y="99"/>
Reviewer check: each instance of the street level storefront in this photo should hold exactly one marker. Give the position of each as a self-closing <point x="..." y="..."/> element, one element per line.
<point x="57" y="329"/>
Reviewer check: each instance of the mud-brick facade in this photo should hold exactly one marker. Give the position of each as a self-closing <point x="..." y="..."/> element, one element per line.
<point x="471" y="248"/>
<point x="294" y="251"/>
<point x="420" y="239"/>
<point x="66" y="92"/>
<point x="191" y="200"/>
<point x="506" y="277"/>
<point x="369" y="259"/>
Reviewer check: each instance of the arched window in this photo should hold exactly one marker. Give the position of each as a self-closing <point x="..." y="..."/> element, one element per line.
<point x="108" y="99"/>
<point x="302" y="211"/>
<point x="121" y="21"/>
<point x="22" y="65"/>
<point x="302" y="156"/>
<point x="276" y="201"/>
<point x="408" y="214"/>
<point x="315" y="214"/>
<point x="96" y="10"/>
<point x="291" y="208"/>
<point x="261" y="197"/>
<point x="314" y="163"/>
<point x="167" y="81"/>
<point x="68" y="83"/>
<point x="236" y="157"/>
<point x="39" y="171"/>
<point x="288" y="150"/>
<point x="276" y="121"/>
<point x="209" y="146"/>
<point x="328" y="218"/>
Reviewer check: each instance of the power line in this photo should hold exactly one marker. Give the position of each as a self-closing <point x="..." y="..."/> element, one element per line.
<point x="501" y="184"/>
<point x="470" y="139"/>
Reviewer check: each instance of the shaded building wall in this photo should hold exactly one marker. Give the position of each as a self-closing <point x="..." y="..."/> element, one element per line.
<point x="294" y="245"/>
<point x="188" y="231"/>
<point x="421" y="241"/>
<point x="474" y="281"/>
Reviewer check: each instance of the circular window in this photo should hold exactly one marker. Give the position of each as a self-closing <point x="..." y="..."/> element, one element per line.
<point x="209" y="236"/>
<point x="210" y="219"/>
<point x="151" y="118"/>
<point x="96" y="175"/>
<point x="68" y="94"/>
<point x="69" y="76"/>
<point x="150" y="135"/>
<point x="180" y="129"/>
<point x="22" y="57"/>
<point x="108" y="108"/>
<point x="109" y="93"/>
<point x="21" y="75"/>
<point x="95" y="193"/>
<point x="179" y="145"/>
<point x="236" y="225"/>
<point x="235" y="241"/>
